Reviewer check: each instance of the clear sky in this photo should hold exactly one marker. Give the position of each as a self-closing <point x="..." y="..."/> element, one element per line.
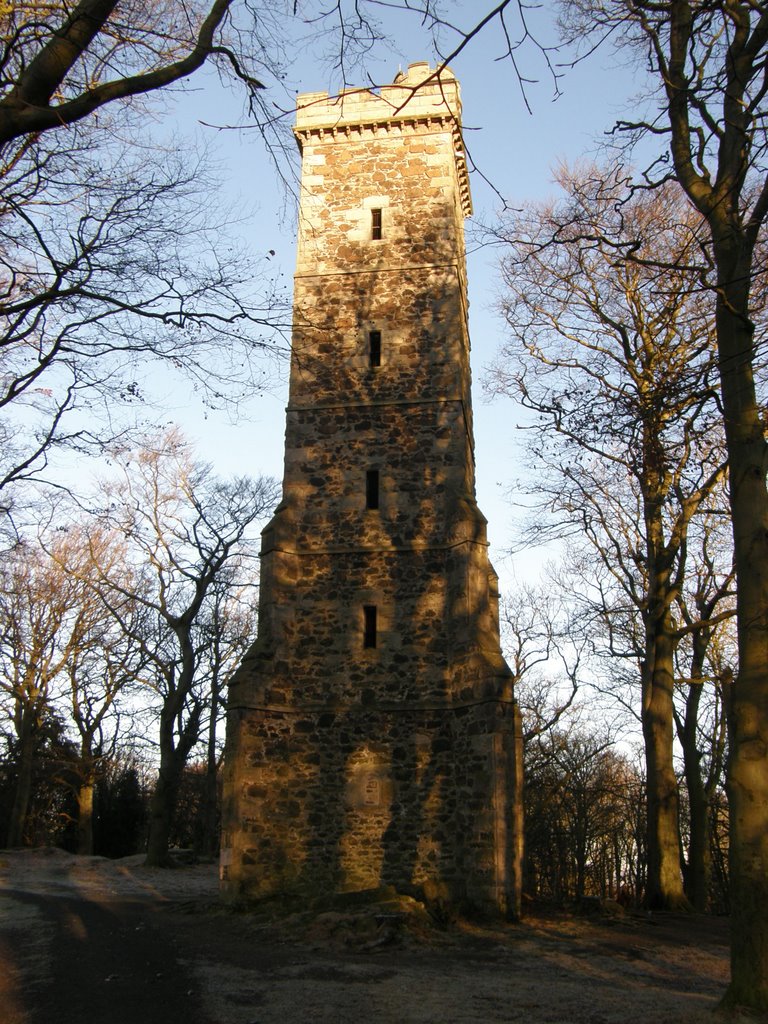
<point x="514" y="148"/>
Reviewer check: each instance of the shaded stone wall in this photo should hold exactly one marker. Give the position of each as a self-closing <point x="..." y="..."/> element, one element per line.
<point x="359" y="756"/>
<point x="340" y="800"/>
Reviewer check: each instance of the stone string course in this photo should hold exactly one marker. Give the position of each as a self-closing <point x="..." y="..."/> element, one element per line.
<point x="352" y="767"/>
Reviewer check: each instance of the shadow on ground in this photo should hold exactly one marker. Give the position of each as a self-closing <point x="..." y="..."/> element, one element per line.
<point x="91" y="941"/>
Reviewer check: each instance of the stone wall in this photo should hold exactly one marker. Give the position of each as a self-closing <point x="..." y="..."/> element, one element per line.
<point x="356" y="799"/>
<point x="376" y="751"/>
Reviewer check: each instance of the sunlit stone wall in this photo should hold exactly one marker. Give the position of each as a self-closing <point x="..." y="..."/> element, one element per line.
<point x="359" y="757"/>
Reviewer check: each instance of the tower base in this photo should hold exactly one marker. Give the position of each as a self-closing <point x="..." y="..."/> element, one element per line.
<point x="336" y="801"/>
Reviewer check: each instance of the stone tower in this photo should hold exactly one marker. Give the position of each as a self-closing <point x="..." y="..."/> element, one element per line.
<point x="371" y="727"/>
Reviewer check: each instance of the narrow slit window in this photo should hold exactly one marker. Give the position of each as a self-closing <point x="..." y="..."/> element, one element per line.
<point x="369" y="625"/>
<point x="374" y="348"/>
<point x="372" y="488"/>
<point x="376" y="223"/>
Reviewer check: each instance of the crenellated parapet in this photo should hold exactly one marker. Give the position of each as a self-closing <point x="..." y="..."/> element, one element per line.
<point x="421" y="100"/>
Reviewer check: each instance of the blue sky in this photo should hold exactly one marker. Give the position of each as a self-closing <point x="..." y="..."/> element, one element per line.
<point x="514" y="148"/>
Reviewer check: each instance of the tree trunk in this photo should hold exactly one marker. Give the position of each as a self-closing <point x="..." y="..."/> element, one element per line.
<point x="747" y="777"/>
<point x="207" y="832"/>
<point x="699" y="850"/>
<point x="173" y="758"/>
<point x="664" y="887"/>
<point x="699" y="874"/>
<point x="161" y="810"/>
<point x="162" y="804"/>
<point x="85" y="815"/>
<point x="517" y="816"/>
<point x="580" y="841"/>
<point x="27" y="743"/>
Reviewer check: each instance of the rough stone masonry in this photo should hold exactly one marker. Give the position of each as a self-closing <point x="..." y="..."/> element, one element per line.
<point x="371" y="730"/>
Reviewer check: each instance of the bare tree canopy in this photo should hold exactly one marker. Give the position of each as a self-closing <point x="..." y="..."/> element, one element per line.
<point x="116" y="252"/>
<point x="612" y="345"/>
<point x="51" y="623"/>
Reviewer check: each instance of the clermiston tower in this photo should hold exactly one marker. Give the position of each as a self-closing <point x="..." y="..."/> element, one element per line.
<point x="371" y="733"/>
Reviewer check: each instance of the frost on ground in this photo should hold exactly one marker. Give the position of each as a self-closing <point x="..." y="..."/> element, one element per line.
<point x="385" y="963"/>
<point x="54" y="872"/>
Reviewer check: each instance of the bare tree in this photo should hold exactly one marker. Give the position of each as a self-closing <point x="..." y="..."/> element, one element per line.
<point x="616" y="360"/>
<point x="705" y="657"/>
<point x="542" y="651"/>
<point x="99" y="674"/>
<point x="111" y="259"/>
<point x="114" y="251"/>
<point x="535" y="635"/>
<point x="582" y="807"/>
<point x="227" y="630"/>
<point x="706" y="107"/>
<point x="184" y="528"/>
<point x="48" y="621"/>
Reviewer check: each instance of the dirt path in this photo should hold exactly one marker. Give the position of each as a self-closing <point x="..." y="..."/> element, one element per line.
<point x="99" y="942"/>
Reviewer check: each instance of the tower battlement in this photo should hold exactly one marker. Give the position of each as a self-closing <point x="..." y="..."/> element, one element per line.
<point x="422" y="97"/>
<point x="421" y="91"/>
